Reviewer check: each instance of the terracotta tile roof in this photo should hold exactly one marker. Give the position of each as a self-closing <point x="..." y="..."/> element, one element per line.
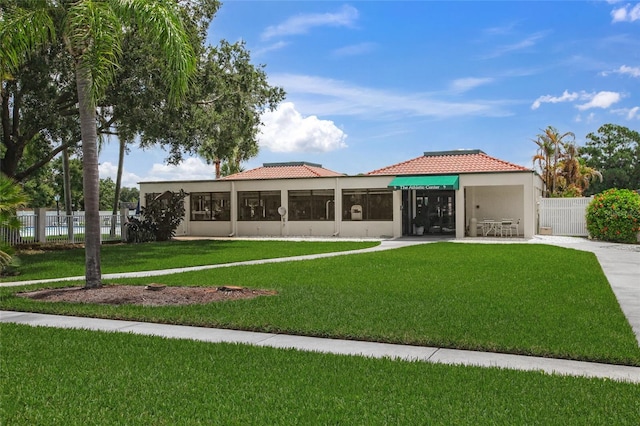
<point x="284" y="171"/>
<point x="450" y="162"/>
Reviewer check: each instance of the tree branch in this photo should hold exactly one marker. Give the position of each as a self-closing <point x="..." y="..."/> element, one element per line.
<point x="27" y="172"/>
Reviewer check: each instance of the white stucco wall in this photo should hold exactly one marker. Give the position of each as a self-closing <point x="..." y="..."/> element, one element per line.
<point x="285" y="227"/>
<point x="491" y="195"/>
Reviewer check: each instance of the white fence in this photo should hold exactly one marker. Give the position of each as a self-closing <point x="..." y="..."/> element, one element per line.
<point x="565" y="216"/>
<point x="42" y="226"/>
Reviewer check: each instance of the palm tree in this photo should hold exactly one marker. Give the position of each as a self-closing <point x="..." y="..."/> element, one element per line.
<point x="574" y="176"/>
<point x="11" y="198"/>
<point x="92" y="34"/>
<point x="551" y="145"/>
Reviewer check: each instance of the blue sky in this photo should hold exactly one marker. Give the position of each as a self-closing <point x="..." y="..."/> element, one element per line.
<point x="373" y="83"/>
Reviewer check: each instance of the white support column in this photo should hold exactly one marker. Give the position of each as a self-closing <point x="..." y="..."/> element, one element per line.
<point x="41" y="225"/>
<point x="123" y="223"/>
<point x="460" y="207"/>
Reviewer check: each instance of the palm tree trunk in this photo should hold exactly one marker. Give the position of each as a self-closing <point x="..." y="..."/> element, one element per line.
<point x="91" y="179"/>
<point x="116" y="200"/>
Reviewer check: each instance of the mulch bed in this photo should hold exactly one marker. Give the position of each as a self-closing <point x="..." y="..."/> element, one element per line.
<point x="151" y="295"/>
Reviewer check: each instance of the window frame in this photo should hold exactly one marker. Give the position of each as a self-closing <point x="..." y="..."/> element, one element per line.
<point x="206" y="213"/>
<point x="262" y="200"/>
<point x="369" y="210"/>
<point x="315" y="205"/>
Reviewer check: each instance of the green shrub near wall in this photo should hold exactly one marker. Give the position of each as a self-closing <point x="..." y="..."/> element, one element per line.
<point x="614" y="215"/>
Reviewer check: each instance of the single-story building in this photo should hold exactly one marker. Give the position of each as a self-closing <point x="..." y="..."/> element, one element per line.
<point x="450" y="190"/>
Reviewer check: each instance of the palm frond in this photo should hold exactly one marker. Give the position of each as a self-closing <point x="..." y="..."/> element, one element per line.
<point x="22" y="31"/>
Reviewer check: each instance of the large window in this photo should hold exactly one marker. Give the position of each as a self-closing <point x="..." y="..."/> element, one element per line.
<point x="312" y="205"/>
<point x="210" y="206"/>
<point x="367" y="204"/>
<point x="258" y="205"/>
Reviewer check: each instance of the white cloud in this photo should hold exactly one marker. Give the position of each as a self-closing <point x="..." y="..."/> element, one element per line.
<point x="301" y="24"/>
<point x="624" y="69"/>
<point x="355" y="49"/>
<point x="286" y="130"/>
<point x="110" y="170"/>
<point x="501" y="30"/>
<point x="601" y="100"/>
<point x="272" y="47"/>
<point x="628" y="113"/>
<point x="530" y="41"/>
<point x="566" y="97"/>
<point x="190" y="169"/>
<point x="324" y="96"/>
<point x="589" y="119"/>
<point x="626" y="13"/>
<point x="465" y="84"/>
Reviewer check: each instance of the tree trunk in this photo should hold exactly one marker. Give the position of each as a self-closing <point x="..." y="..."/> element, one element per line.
<point x="91" y="180"/>
<point x="68" y="207"/>
<point x="216" y="162"/>
<point x="116" y="200"/>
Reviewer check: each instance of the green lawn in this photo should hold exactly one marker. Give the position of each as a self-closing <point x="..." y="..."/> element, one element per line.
<point x="523" y="299"/>
<point x="171" y="254"/>
<point x="77" y="377"/>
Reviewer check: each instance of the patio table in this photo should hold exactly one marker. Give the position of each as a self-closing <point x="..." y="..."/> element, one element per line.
<point x="489" y="225"/>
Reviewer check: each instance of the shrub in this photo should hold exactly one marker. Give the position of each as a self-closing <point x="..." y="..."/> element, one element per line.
<point x="140" y="231"/>
<point x="614" y="215"/>
<point x="161" y="218"/>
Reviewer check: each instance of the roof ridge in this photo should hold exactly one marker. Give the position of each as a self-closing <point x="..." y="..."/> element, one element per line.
<point x="312" y="169"/>
<point x="504" y="161"/>
<point x="394" y="165"/>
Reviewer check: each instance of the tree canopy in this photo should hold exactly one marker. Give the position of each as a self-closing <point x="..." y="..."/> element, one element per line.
<point x="218" y="118"/>
<point x="614" y="150"/>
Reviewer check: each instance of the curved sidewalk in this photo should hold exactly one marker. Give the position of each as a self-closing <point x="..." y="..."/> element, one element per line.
<point x="384" y="245"/>
<point x="620" y="263"/>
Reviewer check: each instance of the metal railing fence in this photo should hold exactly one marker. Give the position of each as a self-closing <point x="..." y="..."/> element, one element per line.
<point x="44" y="227"/>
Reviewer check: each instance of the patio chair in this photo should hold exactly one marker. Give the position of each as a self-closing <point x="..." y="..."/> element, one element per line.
<point x="504" y="227"/>
<point x="514" y="227"/>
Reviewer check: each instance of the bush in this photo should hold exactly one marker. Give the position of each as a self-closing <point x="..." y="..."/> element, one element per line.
<point x="161" y="218"/>
<point x="140" y="231"/>
<point x="614" y="215"/>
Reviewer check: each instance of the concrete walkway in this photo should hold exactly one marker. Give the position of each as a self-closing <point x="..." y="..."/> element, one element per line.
<point x="384" y="245"/>
<point x="620" y="263"/>
<point x="334" y="346"/>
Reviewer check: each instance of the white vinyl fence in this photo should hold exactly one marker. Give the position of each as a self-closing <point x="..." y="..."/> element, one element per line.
<point x="565" y="216"/>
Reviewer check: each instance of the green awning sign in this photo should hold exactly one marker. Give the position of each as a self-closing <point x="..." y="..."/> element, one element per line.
<point x="425" y="182"/>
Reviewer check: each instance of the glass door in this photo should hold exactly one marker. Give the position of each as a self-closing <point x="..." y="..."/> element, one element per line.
<point x="440" y="211"/>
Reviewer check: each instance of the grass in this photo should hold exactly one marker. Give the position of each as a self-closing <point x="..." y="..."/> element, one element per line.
<point x="171" y="254"/>
<point x="523" y="299"/>
<point x="77" y="377"/>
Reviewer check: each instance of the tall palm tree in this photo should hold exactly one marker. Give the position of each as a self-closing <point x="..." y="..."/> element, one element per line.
<point x="92" y="33"/>
<point x="551" y="145"/>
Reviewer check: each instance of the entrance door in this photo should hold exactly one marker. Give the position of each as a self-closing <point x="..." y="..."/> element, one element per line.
<point x="441" y="211"/>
